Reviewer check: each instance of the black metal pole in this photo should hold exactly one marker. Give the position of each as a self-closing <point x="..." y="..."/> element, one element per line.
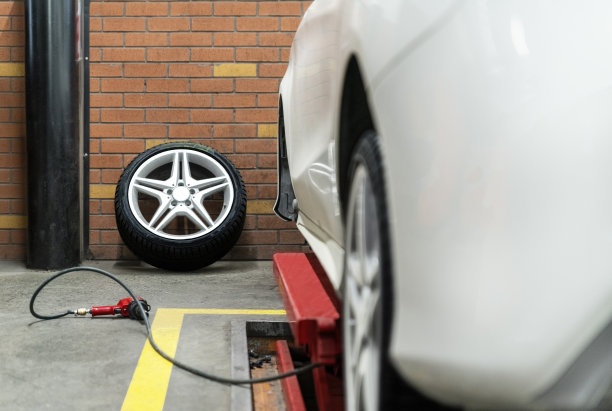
<point x="54" y="123"/>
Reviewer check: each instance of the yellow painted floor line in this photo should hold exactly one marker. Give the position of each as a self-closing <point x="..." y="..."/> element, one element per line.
<point x="149" y="384"/>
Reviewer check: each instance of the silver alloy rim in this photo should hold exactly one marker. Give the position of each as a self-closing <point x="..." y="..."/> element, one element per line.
<point x="362" y="296"/>
<point x="181" y="181"/>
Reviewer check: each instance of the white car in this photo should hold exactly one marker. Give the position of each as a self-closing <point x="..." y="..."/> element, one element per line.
<point x="450" y="164"/>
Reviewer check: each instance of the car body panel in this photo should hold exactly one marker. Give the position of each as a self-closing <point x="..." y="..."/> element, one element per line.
<point x="494" y="120"/>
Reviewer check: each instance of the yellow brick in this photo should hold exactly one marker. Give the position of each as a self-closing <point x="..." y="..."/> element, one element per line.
<point x="267" y="130"/>
<point x="12" y="69"/>
<point x="13" y="221"/>
<point x="101" y="191"/>
<point x="235" y="70"/>
<point x="152" y="143"/>
<point x="260" y="207"/>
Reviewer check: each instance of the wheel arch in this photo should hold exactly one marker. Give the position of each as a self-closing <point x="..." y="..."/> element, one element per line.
<point x="355" y="119"/>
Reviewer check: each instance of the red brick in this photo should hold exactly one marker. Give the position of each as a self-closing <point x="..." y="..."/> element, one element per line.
<point x="146" y="39"/>
<point x="17" y="23"/>
<point x="211" y="85"/>
<point x="5" y="115"/>
<point x="189" y="100"/>
<point x="122" y="116"/>
<point x="145" y="131"/>
<point x="5" y="54"/>
<point x="266" y="192"/>
<point x="258" y="237"/>
<point x="95" y="54"/>
<point x="280" y="8"/>
<point x="124" y="24"/>
<point x="171" y="54"/>
<point x="146" y="100"/>
<point x="190" y="70"/>
<point x="94" y="115"/>
<point x="122" y="85"/>
<point x="239" y="8"/>
<point x="110" y="237"/>
<point x="189" y="131"/>
<point x="11" y="191"/>
<point x="256" y="115"/>
<point x="169" y="24"/>
<point x="275" y="39"/>
<point x="291" y="237"/>
<point x="212" y="116"/>
<point x="167" y="85"/>
<point x="12" y="100"/>
<point x="94" y="85"/>
<point x="106" y="39"/>
<point x="212" y="24"/>
<point x="257" y="54"/>
<point x="234" y="130"/>
<point x="285" y="54"/>
<point x="11" y="8"/>
<point x="234" y="100"/>
<point x="167" y="116"/>
<point x="266" y="161"/>
<point x="103" y="252"/>
<point x="105" y="130"/>
<point x="102" y="221"/>
<point x="5" y="84"/>
<point x="12" y="252"/>
<point x="184" y="8"/>
<point x="106" y="9"/>
<point x="133" y="8"/>
<point x="17" y="54"/>
<point x="111" y="176"/>
<point x="95" y="24"/>
<point x="12" y="38"/>
<point x="106" y="100"/>
<point x="259" y="176"/>
<point x="242" y="252"/>
<point x="235" y="39"/>
<point x="122" y="146"/>
<point x="146" y="70"/>
<point x="290" y="23"/>
<point x="257" y="23"/>
<point x="190" y="39"/>
<point x="267" y="100"/>
<point x="242" y="161"/>
<point x="273" y="222"/>
<point x="18" y="84"/>
<point x="212" y="54"/>
<point x="123" y="54"/>
<point x="105" y="70"/>
<point x="5" y="24"/>
<point x="256" y="146"/>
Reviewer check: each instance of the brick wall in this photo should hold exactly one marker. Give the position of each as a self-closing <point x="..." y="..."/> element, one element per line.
<point x="203" y="71"/>
<point x="12" y="131"/>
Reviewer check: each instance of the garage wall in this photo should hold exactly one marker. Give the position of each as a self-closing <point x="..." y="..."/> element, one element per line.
<point x="164" y="71"/>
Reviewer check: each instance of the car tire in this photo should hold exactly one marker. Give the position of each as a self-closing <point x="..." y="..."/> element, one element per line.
<point x="180" y="206"/>
<point x="370" y="380"/>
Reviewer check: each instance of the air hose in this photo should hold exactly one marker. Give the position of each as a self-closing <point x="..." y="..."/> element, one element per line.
<point x="145" y="320"/>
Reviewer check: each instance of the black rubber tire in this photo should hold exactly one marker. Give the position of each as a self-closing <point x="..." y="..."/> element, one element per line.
<point x="394" y="392"/>
<point x="180" y="254"/>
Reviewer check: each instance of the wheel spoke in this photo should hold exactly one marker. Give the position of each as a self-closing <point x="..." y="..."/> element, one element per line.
<point x="200" y="184"/>
<point x="149" y="183"/>
<point x="173" y="213"/>
<point x="186" y="170"/>
<point x="188" y="212"/>
<point x="202" y="211"/>
<point x="175" y="175"/>
<point x="163" y="207"/>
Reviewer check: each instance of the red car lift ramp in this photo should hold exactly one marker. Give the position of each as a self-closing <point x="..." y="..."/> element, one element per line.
<point x="312" y="308"/>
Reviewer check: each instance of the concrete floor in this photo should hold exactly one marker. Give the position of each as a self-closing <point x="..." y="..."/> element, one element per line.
<point x="78" y="363"/>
